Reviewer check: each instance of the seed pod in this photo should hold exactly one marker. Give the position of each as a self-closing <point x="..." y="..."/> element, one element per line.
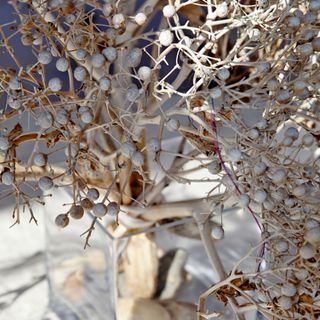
<point x="62" y="220"/>
<point x="76" y="212"/>
<point x="283" y="96"/>
<point x="86" y="204"/>
<point x="311" y="223"/>
<point x="289" y="202"/>
<point x="45" y="120"/>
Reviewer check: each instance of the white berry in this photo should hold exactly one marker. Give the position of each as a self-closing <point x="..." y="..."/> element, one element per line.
<point x="55" y="84"/>
<point x="7" y="178"/>
<point x="234" y="155"/>
<point x="76" y="212"/>
<point x="307" y="251"/>
<point x="144" y="73"/>
<point x="99" y="210"/>
<point x="217" y="232"/>
<point x="80" y="73"/>
<point x="15" y="84"/>
<point x="166" y="38"/>
<point x="169" y="11"/>
<point x="153" y="145"/>
<point x="243" y="200"/>
<point x="288" y="289"/>
<point x="62" y="116"/>
<point x="45" y="120"/>
<point x="104" y="84"/>
<point x="62" y="64"/>
<point x="4" y="144"/>
<point x="282" y="246"/>
<point x="173" y="125"/>
<point x="137" y="159"/>
<point x="110" y="53"/>
<point x="39" y="160"/>
<point x="128" y="148"/>
<point x="45" y="183"/>
<point x="215" y="93"/>
<point x="260" y="196"/>
<point x="44" y="57"/>
<point x="93" y="194"/>
<point x="285" y="303"/>
<point x="98" y="60"/>
<point x="140" y="18"/>
<point x="62" y="220"/>
<point x="113" y="209"/>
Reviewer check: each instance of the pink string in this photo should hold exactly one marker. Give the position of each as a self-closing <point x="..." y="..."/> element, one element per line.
<point x="225" y="168"/>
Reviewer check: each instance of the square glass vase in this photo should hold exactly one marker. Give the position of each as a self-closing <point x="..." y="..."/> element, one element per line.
<point x="154" y="270"/>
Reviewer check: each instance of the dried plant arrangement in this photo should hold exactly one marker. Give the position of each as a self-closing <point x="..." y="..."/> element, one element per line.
<point x="235" y="82"/>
